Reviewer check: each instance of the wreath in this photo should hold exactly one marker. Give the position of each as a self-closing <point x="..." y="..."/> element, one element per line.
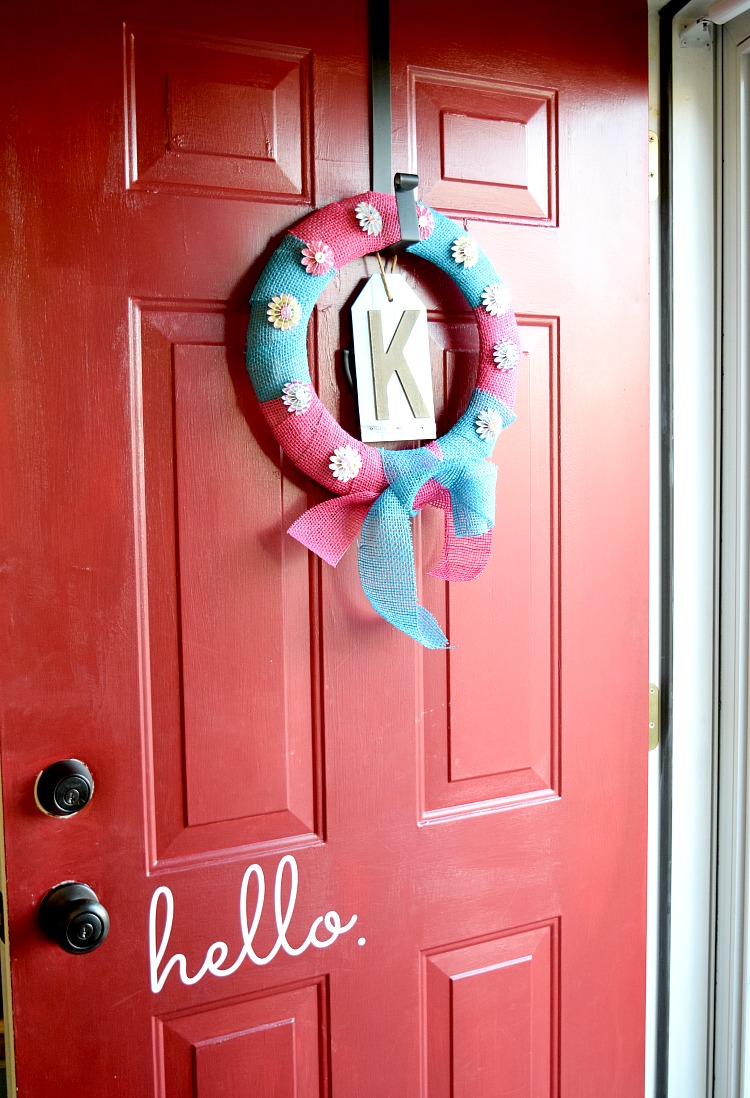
<point x="380" y="490"/>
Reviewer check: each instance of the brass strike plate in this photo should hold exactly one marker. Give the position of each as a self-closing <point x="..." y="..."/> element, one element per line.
<point x="653" y="165"/>
<point x="653" y="716"/>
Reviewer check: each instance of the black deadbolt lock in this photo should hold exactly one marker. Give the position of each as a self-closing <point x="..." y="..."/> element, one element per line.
<point x="64" y="787"/>
<point x="72" y="915"/>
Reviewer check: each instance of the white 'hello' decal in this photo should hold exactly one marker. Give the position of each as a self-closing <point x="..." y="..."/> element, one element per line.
<point x="217" y="954"/>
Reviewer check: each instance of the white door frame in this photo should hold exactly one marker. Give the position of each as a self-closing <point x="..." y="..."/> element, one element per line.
<point x="702" y="1023"/>
<point x="732" y="1049"/>
<point x="684" y="1060"/>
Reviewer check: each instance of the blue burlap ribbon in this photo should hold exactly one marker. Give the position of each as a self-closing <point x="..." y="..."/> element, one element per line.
<point x="386" y="553"/>
<point x="458" y="479"/>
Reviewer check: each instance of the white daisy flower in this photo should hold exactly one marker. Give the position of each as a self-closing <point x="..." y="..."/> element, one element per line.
<point x="284" y="312"/>
<point x="489" y="425"/>
<point x="345" y="463"/>
<point x="496" y="299"/>
<point x="369" y="218"/>
<point x="505" y="354"/>
<point x="465" y="251"/>
<point x="297" y="396"/>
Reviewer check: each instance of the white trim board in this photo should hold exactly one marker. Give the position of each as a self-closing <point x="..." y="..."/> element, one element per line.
<point x="655" y="593"/>
<point x="690" y="1002"/>
<point x="732" y="1071"/>
<point x="725" y="10"/>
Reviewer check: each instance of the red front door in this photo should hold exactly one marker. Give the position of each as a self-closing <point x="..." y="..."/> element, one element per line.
<point x="250" y="723"/>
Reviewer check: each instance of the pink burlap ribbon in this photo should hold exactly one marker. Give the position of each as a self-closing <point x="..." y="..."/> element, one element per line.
<point x="329" y="528"/>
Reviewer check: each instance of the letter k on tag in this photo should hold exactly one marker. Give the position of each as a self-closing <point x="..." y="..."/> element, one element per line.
<point x="392" y="358"/>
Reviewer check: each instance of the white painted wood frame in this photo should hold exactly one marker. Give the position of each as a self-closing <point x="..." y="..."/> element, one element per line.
<point x="654" y="655"/>
<point x="732" y="1045"/>
<point x="725" y="10"/>
<point x="689" y="996"/>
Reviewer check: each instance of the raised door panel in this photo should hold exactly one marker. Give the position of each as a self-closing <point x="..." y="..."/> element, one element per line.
<point x="266" y="1046"/>
<point x="491" y="727"/>
<point x="228" y="637"/>
<point x="491" y="1016"/>
<point x="217" y="116"/>
<point x="483" y="147"/>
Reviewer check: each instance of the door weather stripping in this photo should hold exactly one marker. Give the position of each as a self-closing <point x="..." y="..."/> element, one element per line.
<point x="653" y="716"/>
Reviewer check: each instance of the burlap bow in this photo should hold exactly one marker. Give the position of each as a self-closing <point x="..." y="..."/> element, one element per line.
<point x="462" y="486"/>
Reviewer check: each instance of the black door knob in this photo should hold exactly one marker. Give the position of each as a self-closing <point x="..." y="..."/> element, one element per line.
<point x="64" y="787"/>
<point x="72" y="915"/>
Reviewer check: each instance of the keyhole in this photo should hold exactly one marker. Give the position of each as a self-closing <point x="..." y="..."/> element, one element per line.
<point x="72" y="797"/>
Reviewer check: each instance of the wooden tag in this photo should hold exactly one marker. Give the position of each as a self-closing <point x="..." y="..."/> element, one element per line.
<point x="392" y="360"/>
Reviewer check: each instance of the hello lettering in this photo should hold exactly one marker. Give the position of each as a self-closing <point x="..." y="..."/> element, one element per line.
<point x="329" y="925"/>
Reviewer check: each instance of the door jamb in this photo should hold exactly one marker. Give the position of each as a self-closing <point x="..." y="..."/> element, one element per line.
<point x="732" y="1049"/>
<point x="689" y="497"/>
